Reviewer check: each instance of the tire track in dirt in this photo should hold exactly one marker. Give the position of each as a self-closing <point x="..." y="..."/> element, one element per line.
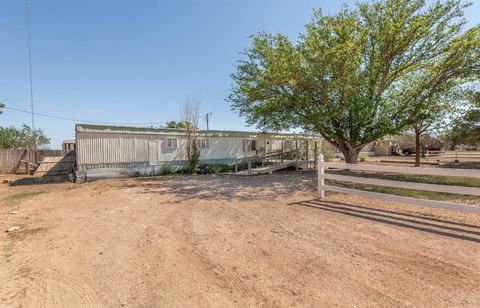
<point x="52" y="288"/>
<point x="210" y="273"/>
<point x="135" y="265"/>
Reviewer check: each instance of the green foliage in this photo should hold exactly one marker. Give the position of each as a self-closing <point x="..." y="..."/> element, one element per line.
<point x="363" y="158"/>
<point x="167" y="169"/>
<point x="179" y="124"/>
<point x="466" y="129"/>
<point x="1" y="107"/>
<point x="359" y="75"/>
<point x="182" y="170"/>
<point x="26" y="137"/>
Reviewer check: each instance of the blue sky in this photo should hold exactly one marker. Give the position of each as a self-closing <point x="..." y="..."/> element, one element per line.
<point x="135" y="61"/>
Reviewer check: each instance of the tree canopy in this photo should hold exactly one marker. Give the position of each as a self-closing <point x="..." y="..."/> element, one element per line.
<point x="179" y="124"/>
<point x="359" y="75"/>
<point x="466" y="129"/>
<point x="15" y="138"/>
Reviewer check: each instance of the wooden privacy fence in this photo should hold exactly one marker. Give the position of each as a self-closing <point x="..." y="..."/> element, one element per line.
<point x="474" y="191"/>
<point x="18" y="161"/>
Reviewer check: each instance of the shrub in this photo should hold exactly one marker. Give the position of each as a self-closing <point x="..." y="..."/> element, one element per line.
<point x="182" y="170"/>
<point x="167" y="169"/>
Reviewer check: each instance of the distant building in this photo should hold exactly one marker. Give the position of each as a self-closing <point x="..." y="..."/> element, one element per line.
<point x="69" y="145"/>
<point x="142" y="149"/>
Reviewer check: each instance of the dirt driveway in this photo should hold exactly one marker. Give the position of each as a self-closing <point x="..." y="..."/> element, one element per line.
<point x="211" y="241"/>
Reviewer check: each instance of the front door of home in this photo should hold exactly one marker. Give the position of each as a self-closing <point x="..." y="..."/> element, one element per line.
<point x="152" y="153"/>
<point x="269" y="146"/>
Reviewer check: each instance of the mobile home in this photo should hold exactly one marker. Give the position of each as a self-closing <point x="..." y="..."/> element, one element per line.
<point x="144" y="149"/>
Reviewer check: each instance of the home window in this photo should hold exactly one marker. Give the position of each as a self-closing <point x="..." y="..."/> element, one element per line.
<point x="249" y="145"/>
<point x="202" y="143"/>
<point x="288" y="143"/>
<point x="172" y="143"/>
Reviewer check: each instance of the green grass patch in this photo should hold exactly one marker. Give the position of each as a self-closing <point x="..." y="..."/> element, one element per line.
<point x="438" y="196"/>
<point x="15" y="198"/>
<point x="430" y="179"/>
<point x="417" y="178"/>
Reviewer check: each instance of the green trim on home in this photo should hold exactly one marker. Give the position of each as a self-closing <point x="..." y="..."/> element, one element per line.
<point x="90" y="128"/>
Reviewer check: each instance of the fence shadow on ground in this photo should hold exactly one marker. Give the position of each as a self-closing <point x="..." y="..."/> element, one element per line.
<point x="431" y="225"/>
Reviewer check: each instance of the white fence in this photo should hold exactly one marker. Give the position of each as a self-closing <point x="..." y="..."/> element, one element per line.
<point x="362" y="153"/>
<point x="453" y="155"/>
<point x="474" y="191"/>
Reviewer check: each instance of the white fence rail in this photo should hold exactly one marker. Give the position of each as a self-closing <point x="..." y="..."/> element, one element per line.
<point x="474" y="191"/>
<point x="453" y="155"/>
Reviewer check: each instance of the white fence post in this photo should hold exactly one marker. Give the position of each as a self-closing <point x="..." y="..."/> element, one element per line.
<point x="321" y="176"/>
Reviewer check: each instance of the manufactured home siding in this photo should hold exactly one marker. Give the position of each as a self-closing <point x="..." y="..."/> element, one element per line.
<point x="225" y="147"/>
<point x="95" y="148"/>
<point x="134" y="148"/>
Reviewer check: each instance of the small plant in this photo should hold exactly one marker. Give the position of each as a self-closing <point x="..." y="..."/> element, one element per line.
<point x="362" y="158"/>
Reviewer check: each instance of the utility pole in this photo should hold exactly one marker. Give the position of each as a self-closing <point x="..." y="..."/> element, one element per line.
<point x="207" y="117"/>
<point x="27" y="6"/>
<point x="27" y="2"/>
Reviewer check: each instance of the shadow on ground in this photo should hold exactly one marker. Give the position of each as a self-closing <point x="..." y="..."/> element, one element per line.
<point x="462" y="165"/>
<point x="431" y="225"/>
<point x="228" y="187"/>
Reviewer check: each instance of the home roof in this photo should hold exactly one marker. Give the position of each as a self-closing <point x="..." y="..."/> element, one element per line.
<point x="92" y="128"/>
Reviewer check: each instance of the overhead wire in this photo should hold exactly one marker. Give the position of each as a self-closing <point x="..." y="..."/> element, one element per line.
<point x="80" y="120"/>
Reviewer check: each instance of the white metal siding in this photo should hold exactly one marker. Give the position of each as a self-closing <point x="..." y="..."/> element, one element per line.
<point x="105" y="148"/>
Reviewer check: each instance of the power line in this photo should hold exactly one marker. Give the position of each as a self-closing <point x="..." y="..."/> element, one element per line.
<point x="78" y="120"/>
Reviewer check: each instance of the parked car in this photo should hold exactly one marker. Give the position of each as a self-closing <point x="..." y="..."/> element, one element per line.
<point x="408" y="151"/>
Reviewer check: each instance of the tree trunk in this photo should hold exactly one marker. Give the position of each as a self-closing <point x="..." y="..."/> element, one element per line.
<point x="418" y="146"/>
<point x="350" y="155"/>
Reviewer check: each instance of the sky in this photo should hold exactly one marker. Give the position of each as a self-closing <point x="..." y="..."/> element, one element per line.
<point x="130" y="61"/>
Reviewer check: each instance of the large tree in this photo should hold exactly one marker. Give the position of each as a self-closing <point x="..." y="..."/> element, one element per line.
<point x="356" y="76"/>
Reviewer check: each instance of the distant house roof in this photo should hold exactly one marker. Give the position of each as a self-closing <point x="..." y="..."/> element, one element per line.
<point x="91" y="128"/>
<point x="69" y="141"/>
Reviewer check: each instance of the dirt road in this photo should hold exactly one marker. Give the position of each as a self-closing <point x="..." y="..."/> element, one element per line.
<point x="212" y="241"/>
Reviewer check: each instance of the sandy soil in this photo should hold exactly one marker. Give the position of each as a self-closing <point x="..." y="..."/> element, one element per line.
<point x="212" y="241"/>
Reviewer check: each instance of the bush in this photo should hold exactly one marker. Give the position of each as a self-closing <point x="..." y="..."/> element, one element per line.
<point x="183" y="170"/>
<point x="362" y="158"/>
<point x="167" y="169"/>
<point x="215" y="168"/>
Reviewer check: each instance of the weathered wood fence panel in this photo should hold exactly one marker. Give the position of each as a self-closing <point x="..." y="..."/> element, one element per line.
<point x="11" y="160"/>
